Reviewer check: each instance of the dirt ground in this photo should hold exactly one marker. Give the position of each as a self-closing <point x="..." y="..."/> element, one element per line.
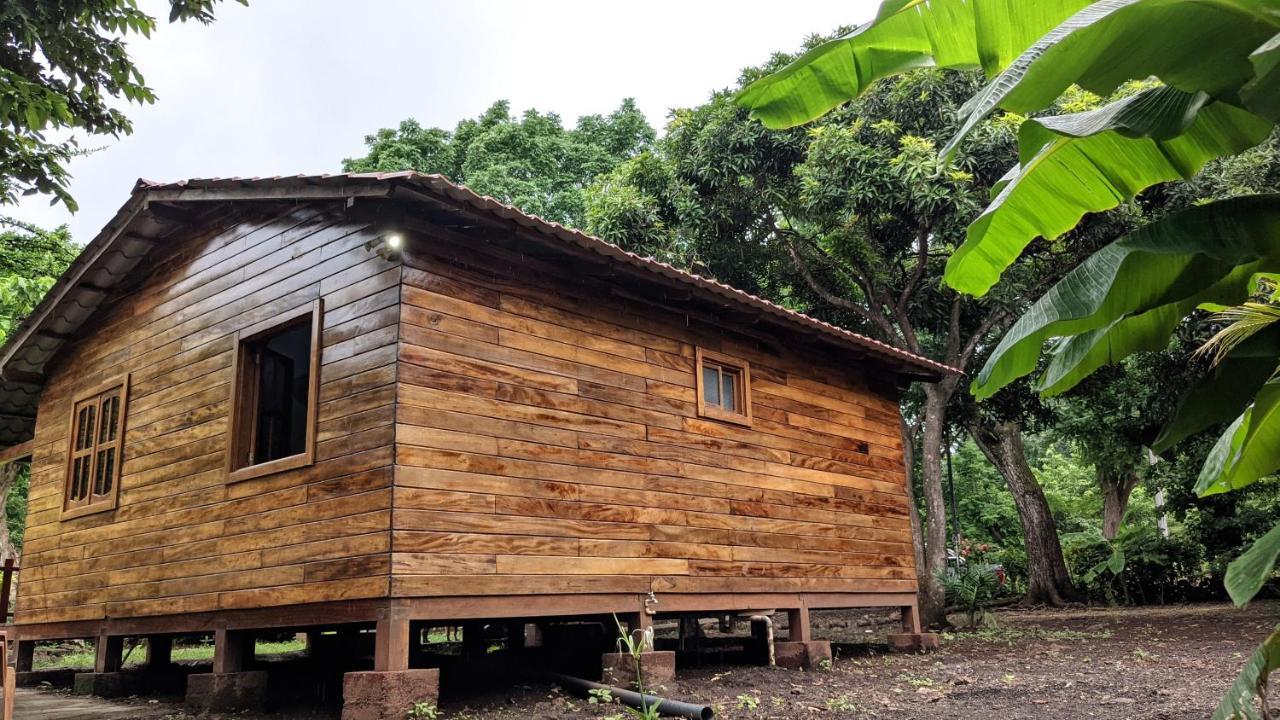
<point x="1165" y="663"/>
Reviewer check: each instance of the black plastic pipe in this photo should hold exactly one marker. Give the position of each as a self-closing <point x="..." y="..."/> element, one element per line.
<point x="636" y="700"/>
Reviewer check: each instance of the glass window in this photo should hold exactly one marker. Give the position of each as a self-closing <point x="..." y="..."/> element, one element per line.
<point x="275" y="388"/>
<point x="97" y="434"/>
<point x="723" y="388"/>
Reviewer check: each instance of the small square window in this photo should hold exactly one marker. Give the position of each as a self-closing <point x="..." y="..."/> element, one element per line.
<point x="96" y="449"/>
<point x="724" y="387"/>
<point x="274" y="396"/>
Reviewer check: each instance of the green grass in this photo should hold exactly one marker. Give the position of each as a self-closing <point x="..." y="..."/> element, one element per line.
<point x="84" y="659"/>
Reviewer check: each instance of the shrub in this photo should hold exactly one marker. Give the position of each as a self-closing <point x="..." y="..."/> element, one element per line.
<point x="972" y="585"/>
<point x="1155" y="570"/>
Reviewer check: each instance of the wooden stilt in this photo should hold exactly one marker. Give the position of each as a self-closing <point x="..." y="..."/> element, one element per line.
<point x="391" y="640"/>
<point x="798" y="625"/>
<point x="159" y="651"/>
<point x="231" y="650"/>
<point x="108" y="652"/>
<point x="473" y="642"/>
<point x="910" y="619"/>
<point x="26" y="656"/>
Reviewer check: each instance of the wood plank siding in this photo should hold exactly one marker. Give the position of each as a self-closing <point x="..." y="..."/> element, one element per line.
<point x="182" y="539"/>
<point x="497" y="417"/>
<point x="548" y="442"/>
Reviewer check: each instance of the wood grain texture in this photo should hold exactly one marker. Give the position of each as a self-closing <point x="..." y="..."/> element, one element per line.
<point x="182" y="539"/>
<point x="549" y="441"/>
<point x="490" y="422"/>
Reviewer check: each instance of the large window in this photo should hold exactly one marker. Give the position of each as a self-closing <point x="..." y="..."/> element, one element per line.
<point x="724" y="387"/>
<point x="274" y="395"/>
<point x="97" y="439"/>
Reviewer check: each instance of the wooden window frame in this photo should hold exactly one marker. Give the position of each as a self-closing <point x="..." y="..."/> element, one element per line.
<point x="239" y="433"/>
<point x="111" y="500"/>
<point x="743" y="368"/>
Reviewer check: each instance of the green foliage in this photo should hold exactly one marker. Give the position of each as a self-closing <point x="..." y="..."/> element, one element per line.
<point x="1063" y="173"/>
<point x="423" y="711"/>
<point x="15" y="506"/>
<point x="1240" y="700"/>
<point x="63" y="67"/>
<point x="906" y="34"/>
<point x="1139" y="566"/>
<point x="30" y="261"/>
<point x="1131" y="295"/>
<point x="972" y="585"/>
<point x="532" y="161"/>
<point x="635" y="644"/>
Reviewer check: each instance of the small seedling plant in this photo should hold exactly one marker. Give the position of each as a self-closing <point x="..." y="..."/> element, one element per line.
<point x="424" y="711"/>
<point x="634" y="643"/>
<point x="600" y="696"/>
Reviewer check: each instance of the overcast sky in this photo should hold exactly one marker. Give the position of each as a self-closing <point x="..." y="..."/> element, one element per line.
<point x="293" y="86"/>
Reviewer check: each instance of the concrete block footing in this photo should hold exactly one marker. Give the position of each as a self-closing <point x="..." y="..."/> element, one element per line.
<point x="389" y="695"/>
<point x="226" y="692"/>
<point x="122" y="683"/>
<point x="802" y="654"/>
<point x="106" y="685"/>
<point x="913" y="642"/>
<point x="657" y="666"/>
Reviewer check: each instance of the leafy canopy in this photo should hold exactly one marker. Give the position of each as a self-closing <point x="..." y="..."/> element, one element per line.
<point x="62" y="65"/>
<point x="1219" y="61"/>
<point x="532" y="162"/>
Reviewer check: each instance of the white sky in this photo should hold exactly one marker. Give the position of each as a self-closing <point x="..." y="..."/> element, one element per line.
<point x="293" y="86"/>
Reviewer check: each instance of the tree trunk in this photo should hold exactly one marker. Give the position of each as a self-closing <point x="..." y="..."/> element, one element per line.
<point x="1116" y="486"/>
<point x="909" y="460"/>
<point x="932" y="598"/>
<point x="1048" y="581"/>
<point x="8" y="473"/>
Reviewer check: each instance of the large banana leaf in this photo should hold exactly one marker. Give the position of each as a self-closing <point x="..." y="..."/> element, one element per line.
<point x="1226" y="392"/>
<point x="1074" y="358"/>
<point x="1184" y="258"/>
<point x="1249" y="448"/>
<point x="1262" y="94"/>
<point x="905" y="34"/>
<point x="1092" y="161"/>
<point x="1241" y="700"/>
<point x="1248" y="573"/>
<point x="1195" y="46"/>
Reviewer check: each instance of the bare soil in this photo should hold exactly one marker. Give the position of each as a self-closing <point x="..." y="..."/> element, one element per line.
<point x="1158" y="663"/>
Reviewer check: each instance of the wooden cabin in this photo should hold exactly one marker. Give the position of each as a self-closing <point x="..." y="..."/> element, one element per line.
<point x="381" y="400"/>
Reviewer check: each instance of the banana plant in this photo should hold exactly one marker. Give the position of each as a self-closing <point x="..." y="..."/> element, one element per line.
<point x="1216" y="92"/>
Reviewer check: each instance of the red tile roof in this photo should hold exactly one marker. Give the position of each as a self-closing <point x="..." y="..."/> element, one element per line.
<point x="438" y="184"/>
<point x="129" y="236"/>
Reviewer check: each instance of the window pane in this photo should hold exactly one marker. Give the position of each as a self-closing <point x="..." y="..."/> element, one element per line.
<point x="710" y="384"/>
<point x="110" y="413"/>
<point x="84" y="427"/>
<point x="105" y="475"/>
<point x="284" y="382"/>
<point x="80" y="482"/>
<point x="729" y="393"/>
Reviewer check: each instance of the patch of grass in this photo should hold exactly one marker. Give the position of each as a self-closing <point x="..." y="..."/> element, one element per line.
<point x="83" y="659"/>
<point x="916" y="681"/>
<point x="841" y="704"/>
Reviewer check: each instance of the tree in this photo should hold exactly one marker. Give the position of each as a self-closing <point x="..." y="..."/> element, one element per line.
<point x="31" y="259"/>
<point x="532" y="162"/>
<point x="1219" y="61"/>
<point x="851" y="221"/>
<point x="1116" y="414"/>
<point x="62" y="66"/>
